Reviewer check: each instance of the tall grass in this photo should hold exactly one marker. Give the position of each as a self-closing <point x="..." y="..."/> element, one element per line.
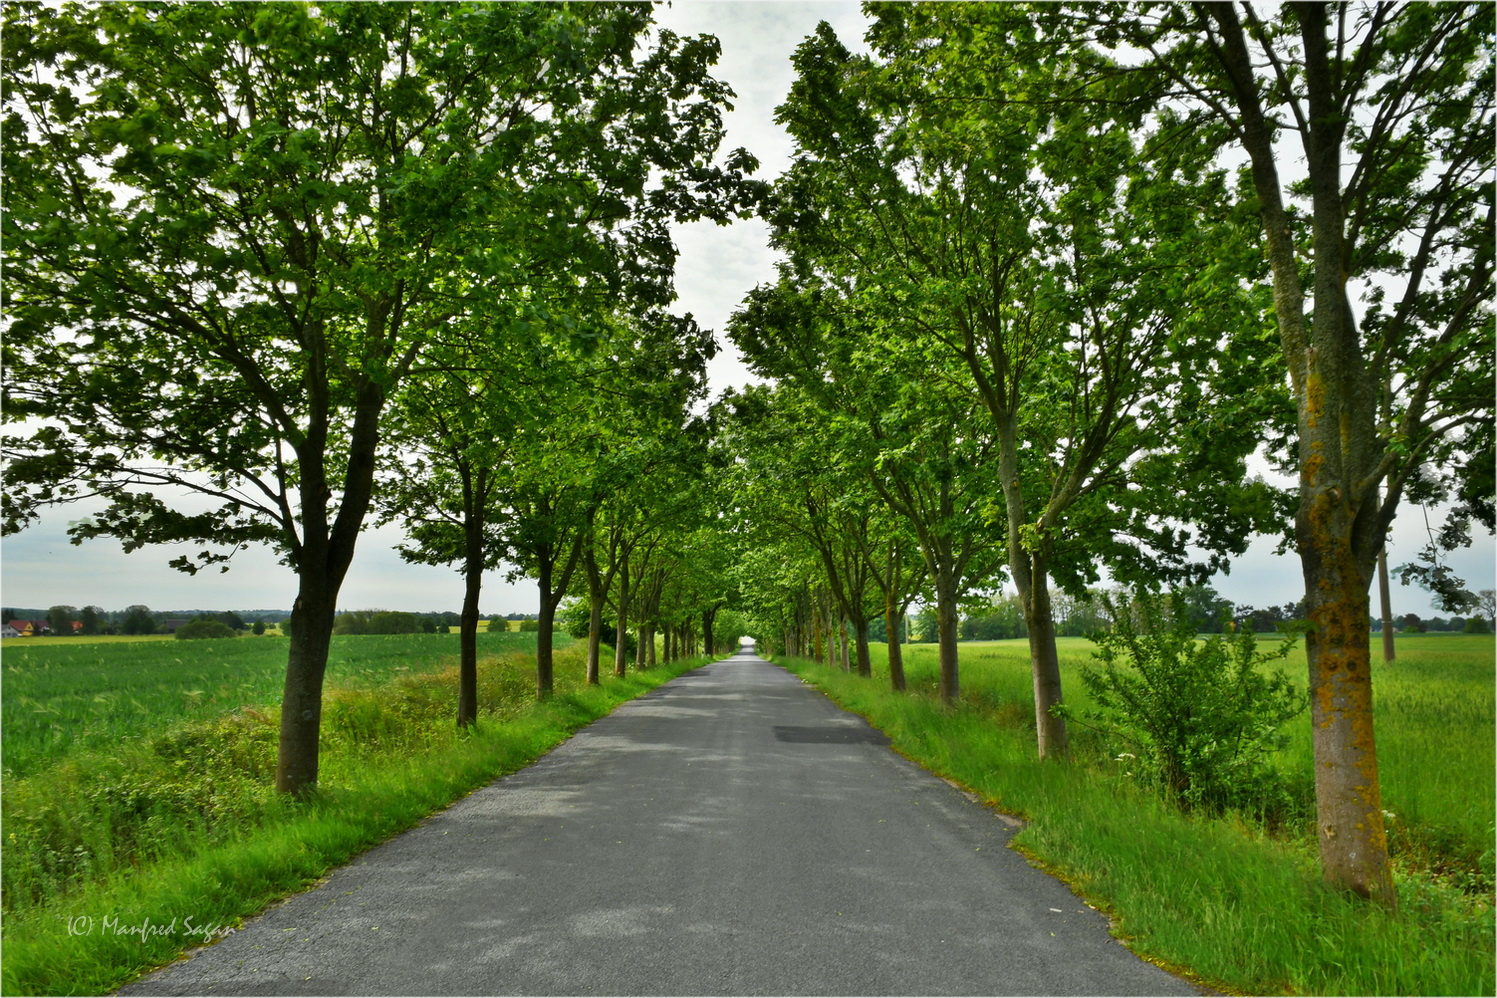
<point x="1240" y="907"/>
<point x="179" y="821"/>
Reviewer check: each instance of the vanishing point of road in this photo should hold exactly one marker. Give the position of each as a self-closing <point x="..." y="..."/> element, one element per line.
<point x="731" y="832"/>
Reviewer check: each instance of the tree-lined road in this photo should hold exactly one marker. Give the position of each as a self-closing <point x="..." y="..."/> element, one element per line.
<point x="732" y="832"/>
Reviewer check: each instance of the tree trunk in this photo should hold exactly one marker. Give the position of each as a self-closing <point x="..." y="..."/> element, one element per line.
<point x="649" y="644"/>
<point x="594" y="636"/>
<point x="327" y="551"/>
<point x="946" y="620"/>
<point x="621" y="628"/>
<point x="865" y="662"/>
<point x="543" y="660"/>
<point x="1386" y="605"/>
<point x="301" y="701"/>
<point x="1349" y="809"/>
<point x="1030" y="573"/>
<point x="467" y="640"/>
<point x="707" y="638"/>
<point x="1044" y="665"/>
<point x="896" y="653"/>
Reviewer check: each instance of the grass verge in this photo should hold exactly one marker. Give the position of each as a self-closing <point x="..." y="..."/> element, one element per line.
<point x="1243" y="911"/>
<point x="116" y="864"/>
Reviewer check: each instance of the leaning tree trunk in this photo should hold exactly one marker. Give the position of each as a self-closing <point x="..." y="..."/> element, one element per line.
<point x="1044" y="664"/>
<point x="1030" y="571"/>
<point x="1044" y="661"/>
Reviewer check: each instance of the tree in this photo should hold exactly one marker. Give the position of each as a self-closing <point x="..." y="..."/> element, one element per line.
<point x="1391" y="109"/>
<point x="92" y="618"/>
<point x="138" y="619"/>
<point x="60" y="619"/>
<point x="442" y="483"/>
<point x="256" y="219"/>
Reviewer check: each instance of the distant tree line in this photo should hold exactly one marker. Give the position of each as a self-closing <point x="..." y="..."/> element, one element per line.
<point x="136" y="619"/>
<point x="1002" y="618"/>
<point x="139" y="619"/>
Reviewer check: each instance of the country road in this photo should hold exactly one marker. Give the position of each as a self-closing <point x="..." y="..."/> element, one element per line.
<point x="732" y="832"/>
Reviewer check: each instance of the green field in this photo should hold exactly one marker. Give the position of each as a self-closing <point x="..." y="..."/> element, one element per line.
<point x="139" y="777"/>
<point x="62" y="695"/>
<point x="1434" y="725"/>
<point x="1224" y="897"/>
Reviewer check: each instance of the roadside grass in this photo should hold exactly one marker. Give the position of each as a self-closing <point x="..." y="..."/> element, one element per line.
<point x="119" y="858"/>
<point x="1239" y="907"/>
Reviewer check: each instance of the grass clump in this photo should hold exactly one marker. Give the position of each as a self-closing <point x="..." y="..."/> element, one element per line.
<point x="178" y="829"/>
<point x="1236" y="900"/>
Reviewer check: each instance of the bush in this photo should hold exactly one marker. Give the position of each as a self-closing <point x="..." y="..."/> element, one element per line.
<point x="205" y="629"/>
<point x="1477" y="625"/>
<point x="1202" y="717"/>
<point x="530" y="625"/>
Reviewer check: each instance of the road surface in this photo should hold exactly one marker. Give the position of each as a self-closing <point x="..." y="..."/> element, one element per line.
<point x="731" y="832"/>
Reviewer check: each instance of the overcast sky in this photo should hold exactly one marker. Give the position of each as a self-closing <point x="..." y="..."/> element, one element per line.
<point x="718" y="266"/>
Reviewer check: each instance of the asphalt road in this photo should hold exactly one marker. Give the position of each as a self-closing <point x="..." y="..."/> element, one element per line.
<point x="732" y="832"/>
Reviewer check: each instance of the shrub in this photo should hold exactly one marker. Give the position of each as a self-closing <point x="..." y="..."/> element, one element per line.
<point x="1201" y="717"/>
<point x="205" y="629"/>
<point x="1477" y="625"/>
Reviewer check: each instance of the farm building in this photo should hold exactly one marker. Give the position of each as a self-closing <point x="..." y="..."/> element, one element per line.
<point x="28" y="628"/>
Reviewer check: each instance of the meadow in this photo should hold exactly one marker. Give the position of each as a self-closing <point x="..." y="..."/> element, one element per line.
<point x="1236" y="903"/>
<point x="63" y="695"/>
<point x="139" y="776"/>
